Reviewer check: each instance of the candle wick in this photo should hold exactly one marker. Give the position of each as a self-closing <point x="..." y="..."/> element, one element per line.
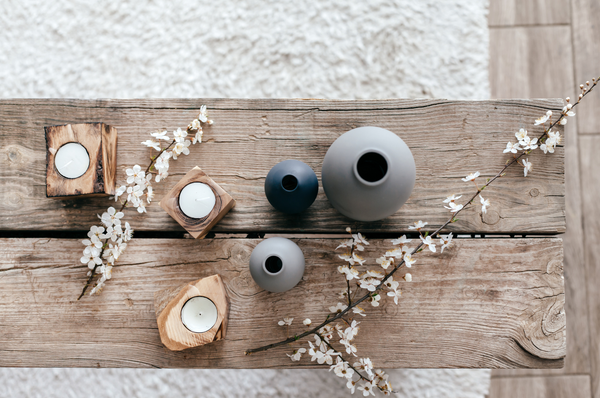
<point x="200" y="314"/>
<point x="68" y="163"/>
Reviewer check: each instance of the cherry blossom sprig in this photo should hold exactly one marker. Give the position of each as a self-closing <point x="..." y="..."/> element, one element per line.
<point x="374" y="281"/>
<point x="108" y="241"/>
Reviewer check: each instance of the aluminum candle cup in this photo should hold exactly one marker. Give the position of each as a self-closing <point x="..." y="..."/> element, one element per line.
<point x="196" y="200"/>
<point x="199" y="314"/>
<point x="72" y="160"/>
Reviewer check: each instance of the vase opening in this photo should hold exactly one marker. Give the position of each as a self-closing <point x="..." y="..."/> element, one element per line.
<point x="372" y="167"/>
<point x="273" y="264"/>
<point x="289" y="183"/>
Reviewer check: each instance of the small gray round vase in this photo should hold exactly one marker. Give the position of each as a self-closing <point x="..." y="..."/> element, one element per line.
<point x="277" y="264"/>
<point x="368" y="173"/>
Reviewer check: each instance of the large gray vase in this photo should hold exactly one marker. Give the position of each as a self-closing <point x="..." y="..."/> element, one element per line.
<point x="277" y="264"/>
<point x="368" y="173"/>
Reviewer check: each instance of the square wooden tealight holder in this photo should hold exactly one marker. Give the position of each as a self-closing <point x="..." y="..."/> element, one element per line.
<point x="197" y="227"/>
<point x="169" y="303"/>
<point x="100" y="142"/>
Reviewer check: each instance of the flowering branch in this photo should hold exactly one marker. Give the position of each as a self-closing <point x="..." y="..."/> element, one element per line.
<point x="374" y="281"/>
<point x="109" y="240"/>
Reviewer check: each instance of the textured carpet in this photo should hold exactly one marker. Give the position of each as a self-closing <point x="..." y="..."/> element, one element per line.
<point x="253" y="48"/>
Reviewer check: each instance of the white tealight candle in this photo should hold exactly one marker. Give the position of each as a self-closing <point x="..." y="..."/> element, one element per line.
<point x="196" y="200"/>
<point x="199" y="314"/>
<point x="72" y="160"/>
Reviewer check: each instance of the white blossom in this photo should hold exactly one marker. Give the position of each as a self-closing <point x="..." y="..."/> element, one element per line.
<point x="366" y="365"/>
<point x="384" y="262"/>
<point x="161" y="135"/>
<point x="395" y="294"/>
<point x="391" y="283"/>
<point x="338" y="308"/>
<point x="369" y="283"/>
<point x="408" y="277"/>
<point x="521" y="134"/>
<point x="528" y="144"/>
<point x="374" y="274"/>
<point x="307" y="322"/>
<point x="152" y="144"/>
<point x="484" y="204"/>
<point x="135" y="174"/>
<point x="350" y="272"/>
<point x="567" y="110"/>
<point x="127" y="233"/>
<point x="341" y="369"/>
<point x="395" y="253"/>
<point x="91" y="257"/>
<point x="401" y="240"/>
<point x="445" y="241"/>
<point x="527" y="166"/>
<point x="179" y="135"/>
<point x="453" y="207"/>
<point x="111" y="217"/>
<point x="351" y="385"/>
<point x="471" y="177"/>
<point x="351" y="331"/>
<point x="203" y="117"/>
<point x="417" y="225"/>
<point x="409" y="261"/>
<point x="181" y="148"/>
<point x="513" y="148"/>
<point x="374" y="299"/>
<point x="368" y="388"/>
<point x="346" y="243"/>
<point x="427" y="241"/>
<point x="95" y="231"/>
<point x="359" y="311"/>
<point x="543" y="119"/>
<point x="120" y="191"/>
<point x="286" y="321"/>
<point x="198" y="137"/>
<point x="297" y="354"/>
<point x="195" y="125"/>
<point x="451" y="198"/>
<point x="149" y="194"/>
<point x="327" y="357"/>
<point x="350" y="348"/>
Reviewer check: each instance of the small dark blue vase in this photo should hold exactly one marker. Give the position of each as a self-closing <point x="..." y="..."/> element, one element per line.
<point x="291" y="186"/>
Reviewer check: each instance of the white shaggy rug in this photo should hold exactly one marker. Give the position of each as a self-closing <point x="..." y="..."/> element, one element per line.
<point x="241" y="48"/>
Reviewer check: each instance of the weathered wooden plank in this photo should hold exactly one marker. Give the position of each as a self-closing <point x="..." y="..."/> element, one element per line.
<point x="486" y="303"/>
<point x="529" y="12"/>
<point x="589" y="147"/>
<point x="575" y="386"/>
<point x="586" y="49"/>
<point x="448" y="139"/>
<point x="578" y="355"/>
<point x="523" y="62"/>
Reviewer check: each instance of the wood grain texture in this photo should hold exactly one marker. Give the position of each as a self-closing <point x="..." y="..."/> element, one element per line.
<point x="448" y="140"/>
<point x="529" y="12"/>
<point x="578" y="353"/>
<point x="486" y="303"/>
<point x="590" y="163"/>
<point x="541" y="387"/>
<point x="523" y="62"/>
<point x="100" y="142"/>
<point x="168" y="304"/>
<point x="586" y="48"/>
<point x="197" y="227"/>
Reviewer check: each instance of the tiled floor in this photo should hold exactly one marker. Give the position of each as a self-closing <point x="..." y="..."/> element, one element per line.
<point x="544" y="48"/>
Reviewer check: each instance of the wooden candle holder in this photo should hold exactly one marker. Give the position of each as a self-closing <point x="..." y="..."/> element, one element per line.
<point x="197" y="227"/>
<point x="169" y="302"/>
<point x="100" y="141"/>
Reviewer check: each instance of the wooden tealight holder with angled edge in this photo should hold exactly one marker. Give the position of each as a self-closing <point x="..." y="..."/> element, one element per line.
<point x="197" y="227"/>
<point x="168" y="305"/>
<point x="100" y="142"/>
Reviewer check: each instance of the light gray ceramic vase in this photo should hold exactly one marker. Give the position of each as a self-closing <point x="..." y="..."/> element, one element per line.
<point x="277" y="264"/>
<point x="368" y="173"/>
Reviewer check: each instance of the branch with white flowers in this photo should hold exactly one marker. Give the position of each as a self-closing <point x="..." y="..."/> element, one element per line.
<point x="374" y="281"/>
<point x="108" y="241"/>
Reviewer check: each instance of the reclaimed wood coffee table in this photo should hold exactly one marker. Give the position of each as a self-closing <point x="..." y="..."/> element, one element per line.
<point x="494" y="299"/>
